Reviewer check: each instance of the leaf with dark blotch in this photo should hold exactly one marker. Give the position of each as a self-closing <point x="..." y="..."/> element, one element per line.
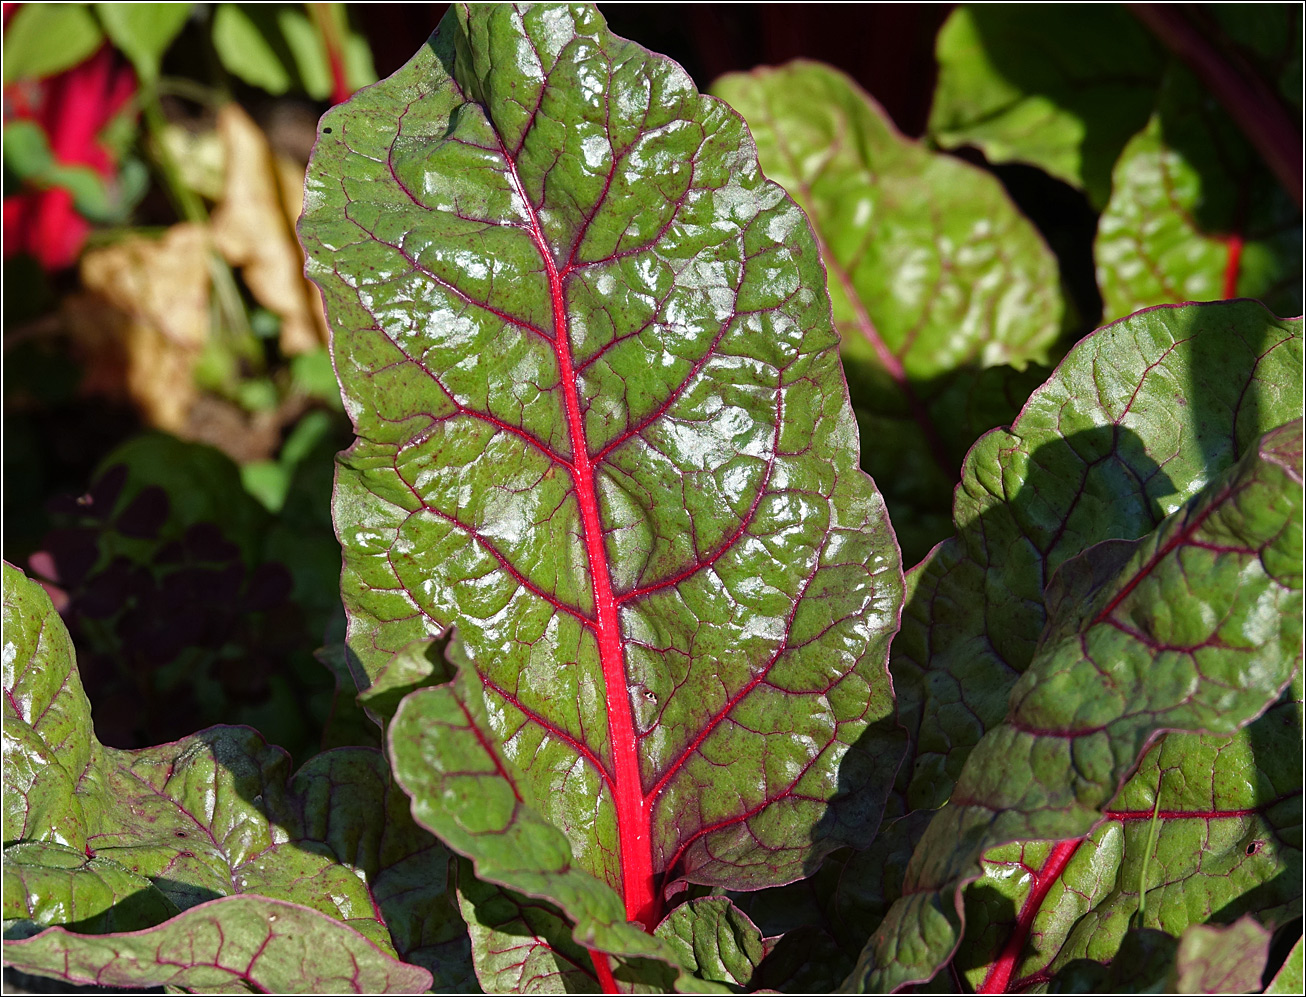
<point x="1195" y="627"/>
<point x="602" y="432"/>
<point x="1195" y="215"/>
<point x="1062" y="88"/>
<point x="1221" y="959"/>
<point x="1138" y="418"/>
<point x="270" y="945"/>
<point x="939" y="285"/>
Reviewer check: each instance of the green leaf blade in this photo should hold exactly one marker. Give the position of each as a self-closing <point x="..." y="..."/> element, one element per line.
<point x="941" y="290"/>
<point x="602" y="432"/>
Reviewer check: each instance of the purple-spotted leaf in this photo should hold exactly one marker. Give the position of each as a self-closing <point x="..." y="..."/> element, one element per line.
<point x="234" y="944"/>
<point x="1224" y="841"/>
<point x="940" y="287"/>
<point x="1138" y="418"/>
<point x="603" y="432"/>
<point x="1062" y="88"/>
<point x="1197" y="626"/>
<point x="1195" y="215"/>
<point x="1221" y="959"/>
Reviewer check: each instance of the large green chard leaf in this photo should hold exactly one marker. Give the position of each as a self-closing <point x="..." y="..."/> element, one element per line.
<point x="1195" y="215"/>
<point x="1197" y="626"/>
<point x="1060" y="87"/>
<point x="937" y="281"/>
<point x="603" y="433"/>
<point x="213" y="820"/>
<point x="1138" y="418"/>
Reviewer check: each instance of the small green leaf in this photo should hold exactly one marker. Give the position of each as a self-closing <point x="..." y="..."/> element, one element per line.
<point x="1060" y="87"/>
<point x="716" y="939"/>
<point x="1290" y="978"/>
<point x="1195" y="215"/>
<point x="1221" y="959"/>
<point x="271" y="945"/>
<point x="46" y="38"/>
<point x="143" y="32"/>
<point x="245" y="39"/>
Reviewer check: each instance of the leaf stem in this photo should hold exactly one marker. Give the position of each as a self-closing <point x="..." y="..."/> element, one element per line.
<point x="604" y="969"/>
<point x="1252" y="105"/>
<point x="1147" y="857"/>
<point x="999" y="974"/>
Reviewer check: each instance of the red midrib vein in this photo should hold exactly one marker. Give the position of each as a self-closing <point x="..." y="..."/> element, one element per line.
<point x="634" y="832"/>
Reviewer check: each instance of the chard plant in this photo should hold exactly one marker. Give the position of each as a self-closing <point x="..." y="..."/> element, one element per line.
<point x="662" y="709"/>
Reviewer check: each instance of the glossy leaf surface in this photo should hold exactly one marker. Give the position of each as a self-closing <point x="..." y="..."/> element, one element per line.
<point x="603" y="433"/>
<point x="213" y="816"/>
<point x="1061" y="88"/>
<point x="1136" y="420"/>
<point x="1224" y="841"/>
<point x="1195" y="627"/>
<point x="939" y="285"/>
<point x="269" y="945"/>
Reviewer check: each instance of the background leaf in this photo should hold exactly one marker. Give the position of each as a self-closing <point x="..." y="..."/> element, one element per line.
<point x="1195" y="215"/>
<point x="942" y="291"/>
<point x="143" y="32"/>
<point x="1061" y="88"/>
<point x="46" y="38"/>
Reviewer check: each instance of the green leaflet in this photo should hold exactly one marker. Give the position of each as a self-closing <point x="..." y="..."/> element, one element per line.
<point x="1290" y="978"/>
<point x="1195" y="215"/>
<point x="1196" y="626"/>
<point x="132" y="837"/>
<point x="1062" y="88"/>
<point x="940" y="287"/>
<point x="603" y="434"/>
<point x="715" y="937"/>
<point x="46" y="38"/>
<point x="1214" y="959"/>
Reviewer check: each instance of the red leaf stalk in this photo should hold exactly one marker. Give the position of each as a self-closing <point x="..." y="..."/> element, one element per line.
<point x="999" y="975"/>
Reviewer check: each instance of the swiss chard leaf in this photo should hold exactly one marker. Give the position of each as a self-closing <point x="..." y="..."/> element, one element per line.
<point x="1223" y="842"/>
<point x="1135" y="645"/>
<point x="603" y="433"/>
<point x="940" y="287"/>
<point x="1138" y="418"/>
<point x="1195" y="215"/>
<point x="130" y="838"/>
<point x="1062" y="88"/>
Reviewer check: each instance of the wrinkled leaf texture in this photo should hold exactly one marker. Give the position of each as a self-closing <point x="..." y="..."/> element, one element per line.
<point x="603" y="434"/>
<point x="1104" y="451"/>
<point x="209" y="839"/>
